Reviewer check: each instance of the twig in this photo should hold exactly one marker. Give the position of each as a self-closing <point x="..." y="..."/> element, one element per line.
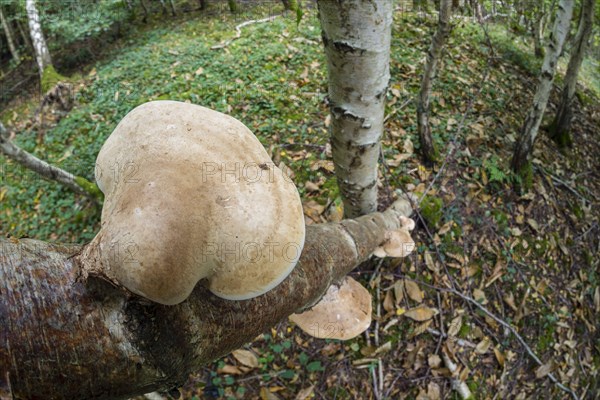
<point x="238" y="31"/>
<point x="501" y="322"/>
<point x="457" y="384"/>
<point x="519" y="338"/>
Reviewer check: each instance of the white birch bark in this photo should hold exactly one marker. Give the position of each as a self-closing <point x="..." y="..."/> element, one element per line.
<point x="356" y="36"/>
<point x="530" y="128"/>
<point x="433" y="55"/>
<point x="9" y="38"/>
<point x="42" y="55"/>
<point x="560" y="128"/>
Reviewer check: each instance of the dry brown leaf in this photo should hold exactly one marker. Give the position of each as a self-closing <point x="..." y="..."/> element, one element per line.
<point x="388" y="301"/>
<point x="434" y="361"/>
<point x="305" y="393"/>
<point x="245" y="357"/>
<point x="499" y="357"/>
<point x="544" y="370"/>
<point x="483" y="346"/>
<point x="479" y="296"/>
<point x="421" y="313"/>
<point x="311" y="186"/>
<point x="399" y="291"/>
<point x="413" y="291"/>
<point x="431" y="265"/>
<point x="230" y="369"/>
<point x="455" y="326"/>
<point x="421" y="328"/>
<point x="266" y="394"/>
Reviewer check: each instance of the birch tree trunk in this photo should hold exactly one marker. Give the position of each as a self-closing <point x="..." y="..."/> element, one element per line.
<point x="529" y="131"/>
<point x="77" y="184"/>
<point x="63" y="336"/>
<point x="42" y="55"/>
<point x="560" y="128"/>
<point x="9" y="37"/>
<point x="356" y="36"/>
<point x="428" y="150"/>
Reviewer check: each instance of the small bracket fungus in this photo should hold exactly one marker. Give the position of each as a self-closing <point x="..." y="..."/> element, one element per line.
<point x="398" y="243"/>
<point x="344" y="312"/>
<point x="191" y="194"/>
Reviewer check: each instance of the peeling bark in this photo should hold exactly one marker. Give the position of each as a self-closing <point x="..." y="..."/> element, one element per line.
<point x="9" y="38"/>
<point x="65" y="336"/>
<point x="529" y="131"/>
<point x="560" y="128"/>
<point x="428" y="150"/>
<point x="42" y="55"/>
<point x="77" y="184"/>
<point x="356" y="36"/>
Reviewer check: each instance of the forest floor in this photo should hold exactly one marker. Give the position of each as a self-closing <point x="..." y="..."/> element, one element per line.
<point x="490" y="264"/>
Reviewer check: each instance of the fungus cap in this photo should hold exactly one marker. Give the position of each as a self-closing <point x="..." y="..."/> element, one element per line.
<point x="398" y="243"/>
<point x="190" y="193"/>
<point x="343" y="313"/>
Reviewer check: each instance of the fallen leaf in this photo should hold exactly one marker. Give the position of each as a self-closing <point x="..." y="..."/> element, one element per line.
<point x="544" y="370"/>
<point x="305" y="393"/>
<point x="245" y="357"/>
<point x="434" y="361"/>
<point x="421" y="313"/>
<point x="413" y="291"/>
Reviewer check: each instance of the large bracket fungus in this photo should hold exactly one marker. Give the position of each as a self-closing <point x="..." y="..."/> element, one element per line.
<point x="191" y="194"/>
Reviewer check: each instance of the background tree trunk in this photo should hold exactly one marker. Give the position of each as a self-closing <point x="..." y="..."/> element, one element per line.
<point x="539" y="25"/>
<point x="232" y="5"/>
<point x="66" y="335"/>
<point x="42" y="55"/>
<point x="524" y="145"/>
<point x="560" y="128"/>
<point x="77" y="184"/>
<point x="9" y="38"/>
<point x="356" y="35"/>
<point x="428" y="150"/>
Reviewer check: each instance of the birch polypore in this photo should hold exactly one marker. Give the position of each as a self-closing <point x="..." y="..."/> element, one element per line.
<point x="195" y="197"/>
<point x="356" y="36"/>
<point x="343" y="313"/>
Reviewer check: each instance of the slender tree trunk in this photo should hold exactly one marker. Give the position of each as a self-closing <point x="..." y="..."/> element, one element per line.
<point x="77" y="184"/>
<point x="232" y="5"/>
<point x="173" y="9"/>
<point x="9" y="38"/>
<point x="25" y="38"/>
<point x="428" y="150"/>
<point x="524" y="145"/>
<point x="290" y="5"/>
<point x="145" y="11"/>
<point x="561" y="127"/>
<point x="42" y="55"/>
<point x="356" y="35"/>
<point x="203" y="4"/>
<point x="65" y="335"/>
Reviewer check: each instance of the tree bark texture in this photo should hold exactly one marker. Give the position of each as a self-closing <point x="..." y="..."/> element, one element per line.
<point x="48" y="171"/>
<point x="42" y="55"/>
<point x="9" y="37"/>
<point x="356" y="36"/>
<point x="560" y="128"/>
<point x="529" y="131"/>
<point x="68" y="335"/>
<point x="428" y="150"/>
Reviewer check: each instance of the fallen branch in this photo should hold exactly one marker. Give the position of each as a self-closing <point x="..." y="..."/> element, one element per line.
<point x="238" y="31"/>
<point x="109" y="343"/>
<point x="50" y="172"/>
